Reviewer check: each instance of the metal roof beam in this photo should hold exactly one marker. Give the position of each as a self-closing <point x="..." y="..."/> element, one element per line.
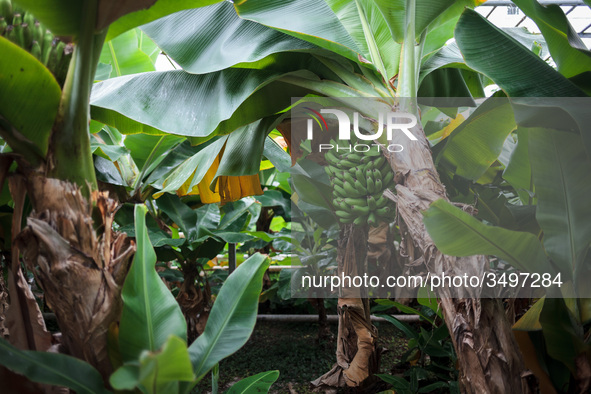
<point x="496" y="3"/>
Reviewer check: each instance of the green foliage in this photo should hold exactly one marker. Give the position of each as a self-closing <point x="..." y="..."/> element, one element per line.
<point x="516" y="69"/>
<point x="125" y="55"/>
<point x="457" y="233"/>
<point x="153" y="330"/>
<point x="178" y="102"/>
<point x="21" y="78"/>
<point x="150" y="313"/>
<point x="257" y="383"/>
<point x="52" y="368"/>
<point x="214" y="38"/>
<point x="475" y="144"/>
<point x="428" y="365"/>
<point x="232" y="317"/>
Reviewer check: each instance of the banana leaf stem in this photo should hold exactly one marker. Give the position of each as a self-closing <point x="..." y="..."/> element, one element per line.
<point x="70" y="153"/>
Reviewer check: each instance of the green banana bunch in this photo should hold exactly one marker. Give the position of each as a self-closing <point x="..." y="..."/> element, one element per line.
<point x="24" y="30"/>
<point x="358" y="181"/>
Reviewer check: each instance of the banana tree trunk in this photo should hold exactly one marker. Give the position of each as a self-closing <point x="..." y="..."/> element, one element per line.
<point x="358" y="355"/>
<point x="488" y="357"/>
<point x="3" y="306"/>
<point x="80" y="270"/>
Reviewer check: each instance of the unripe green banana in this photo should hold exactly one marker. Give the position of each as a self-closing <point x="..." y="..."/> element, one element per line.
<point x="29" y="19"/>
<point x="373" y="152"/>
<point x="347" y="164"/>
<point x="372" y="220"/>
<point x="360" y="221"/>
<point x="360" y="176"/>
<point x="344" y="214"/>
<point x="371" y="186"/>
<point x="381" y="202"/>
<point x="351" y="191"/>
<point x="359" y="187"/>
<point x="331" y="158"/>
<point x="328" y="171"/>
<point x="383" y="211"/>
<point x="38" y="33"/>
<point x="6" y="10"/>
<point x="355" y="157"/>
<point x="346" y="221"/>
<point x="356" y="201"/>
<point x="27" y="36"/>
<point x="47" y="46"/>
<point x="17" y="19"/>
<point x="360" y="209"/>
<point x="11" y="34"/>
<point x="60" y="47"/>
<point x="337" y="181"/>
<point x="36" y="50"/>
<point x="371" y="203"/>
<point x="340" y="190"/>
<point x="349" y="178"/>
<point x="388" y="178"/>
<point x="379" y="162"/>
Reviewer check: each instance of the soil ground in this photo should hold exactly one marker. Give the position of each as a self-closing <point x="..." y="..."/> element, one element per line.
<point x="293" y="349"/>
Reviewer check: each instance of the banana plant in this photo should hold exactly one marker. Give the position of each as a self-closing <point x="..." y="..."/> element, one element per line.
<point x="148" y="348"/>
<point x="547" y="170"/>
<point x="356" y="49"/>
<point x="53" y="153"/>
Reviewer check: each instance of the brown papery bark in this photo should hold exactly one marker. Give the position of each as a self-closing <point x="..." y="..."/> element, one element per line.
<point x="358" y="354"/>
<point x="488" y="357"/>
<point x="81" y="270"/>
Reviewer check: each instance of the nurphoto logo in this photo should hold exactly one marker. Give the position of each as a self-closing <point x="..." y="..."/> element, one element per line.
<point x="393" y="121"/>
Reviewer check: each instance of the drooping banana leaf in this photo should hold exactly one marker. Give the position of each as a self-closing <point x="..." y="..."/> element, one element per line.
<point x="213" y="38"/>
<point x="475" y="144"/>
<point x="310" y="20"/>
<point x="566" y="47"/>
<point x="561" y="173"/>
<point x="52" y="368"/>
<point x="516" y="69"/>
<point x="174" y="102"/>
<point x="457" y="233"/>
<point x="21" y="78"/>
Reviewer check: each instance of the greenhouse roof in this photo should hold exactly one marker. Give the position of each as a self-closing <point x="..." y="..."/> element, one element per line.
<point x="504" y="13"/>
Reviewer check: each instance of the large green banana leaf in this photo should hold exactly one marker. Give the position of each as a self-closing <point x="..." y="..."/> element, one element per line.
<point x="194" y="167"/>
<point x="63" y="17"/>
<point x="213" y="38"/>
<point x="125" y="55"/>
<point x="310" y="20"/>
<point x="518" y="170"/>
<point x="21" y="78"/>
<point x="516" y="69"/>
<point x="450" y="55"/>
<point x="52" y="368"/>
<point x="150" y="313"/>
<point x="232" y="317"/>
<point x="568" y="50"/>
<point x="457" y="233"/>
<point x="475" y="144"/>
<point x="174" y="102"/>
<point x="396" y="14"/>
<point x="259" y="383"/>
<point x="561" y="172"/>
<point x="365" y="23"/>
<point x="160" y="9"/>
